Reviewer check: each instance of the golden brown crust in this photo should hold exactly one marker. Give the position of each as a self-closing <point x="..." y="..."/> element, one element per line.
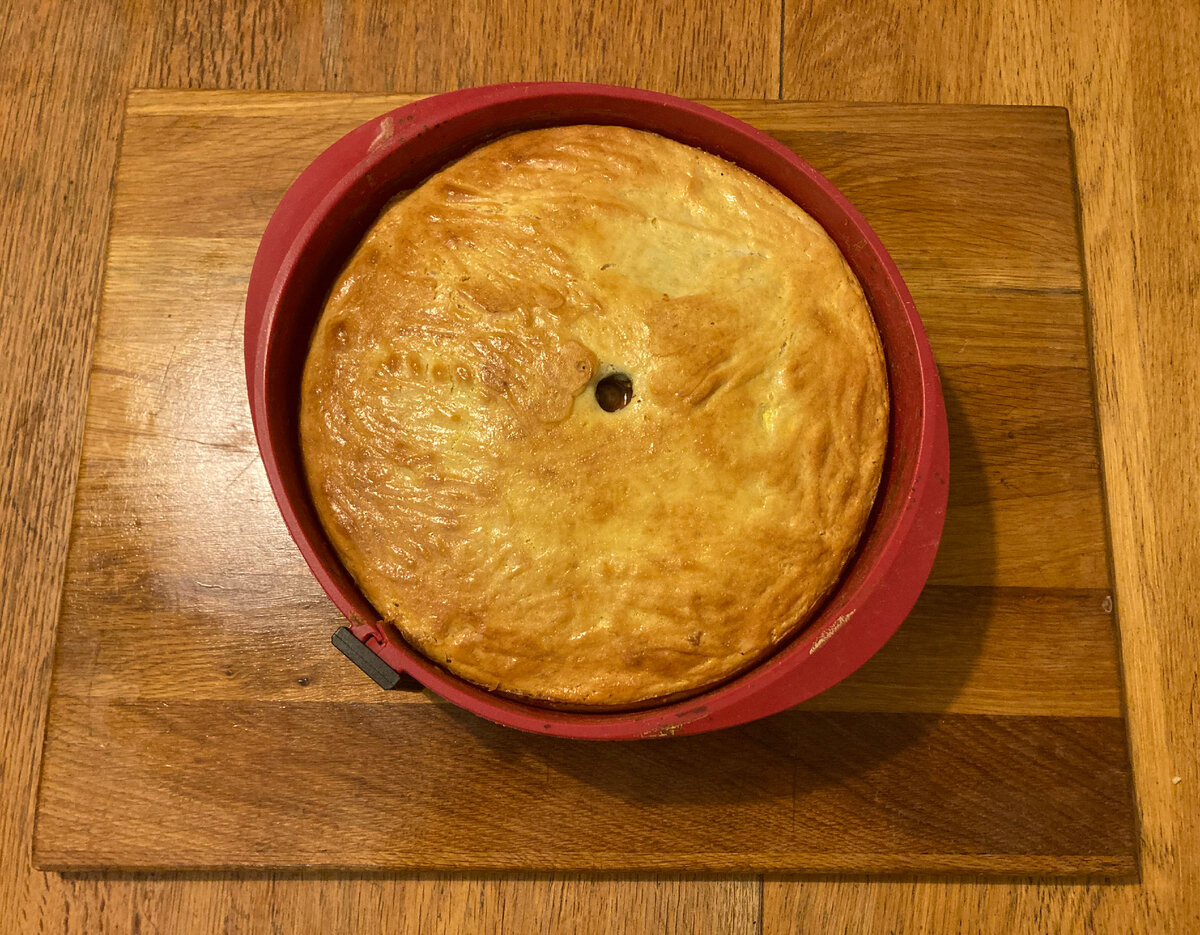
<point x="513" y="530"/>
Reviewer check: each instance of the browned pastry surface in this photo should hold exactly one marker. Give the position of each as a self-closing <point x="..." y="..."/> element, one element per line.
<point x="512" y="529"/>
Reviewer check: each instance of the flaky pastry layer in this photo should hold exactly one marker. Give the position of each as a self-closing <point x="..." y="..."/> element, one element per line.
<point x="516" y="532"/>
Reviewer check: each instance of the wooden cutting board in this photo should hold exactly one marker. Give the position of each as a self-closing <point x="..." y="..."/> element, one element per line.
<point x="199" y="717"/>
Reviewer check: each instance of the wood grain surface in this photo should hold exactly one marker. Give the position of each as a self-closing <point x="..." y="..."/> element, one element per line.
<point x="1134" y="96"/>
<point x="180" y="730"/>
<point x="1127" y="74"/>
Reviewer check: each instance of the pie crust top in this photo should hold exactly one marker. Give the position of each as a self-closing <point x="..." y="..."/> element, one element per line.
<point x="514" y="530"/>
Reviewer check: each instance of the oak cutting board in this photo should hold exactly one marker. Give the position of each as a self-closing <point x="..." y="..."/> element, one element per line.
<point x="199" y="717"/>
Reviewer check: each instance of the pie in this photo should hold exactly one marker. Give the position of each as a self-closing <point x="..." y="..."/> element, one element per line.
<point x="595" y="418"/>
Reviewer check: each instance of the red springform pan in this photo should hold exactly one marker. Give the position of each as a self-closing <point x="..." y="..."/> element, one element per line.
<point x="328" y="210"/>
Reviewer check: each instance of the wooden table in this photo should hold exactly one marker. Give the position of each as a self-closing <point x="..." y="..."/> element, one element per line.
<point x="1131" y="84"/>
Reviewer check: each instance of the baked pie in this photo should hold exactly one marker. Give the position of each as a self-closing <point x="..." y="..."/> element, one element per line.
<point x="595" y="418"/>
